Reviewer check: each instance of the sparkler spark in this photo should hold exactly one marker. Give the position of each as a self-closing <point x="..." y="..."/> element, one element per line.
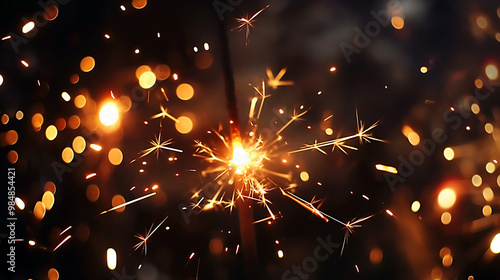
<point x="275" y="82"/>
<point x="62" y="242"/>
<point x="127" y="203"/>
<point x="157" y="144"/>
<point x="144" y="239"/>
<point x="245" y="23"/>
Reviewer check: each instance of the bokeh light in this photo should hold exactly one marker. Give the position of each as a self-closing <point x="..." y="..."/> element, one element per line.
<point x="447" y="198"/>
<point x="87" y="64"/>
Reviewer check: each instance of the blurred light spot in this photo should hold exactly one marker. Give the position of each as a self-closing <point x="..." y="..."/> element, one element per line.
<point x="51" y="132"/>
<point x="386" y="168"/>
<point x="446" y="218"/>
<point x="423" y="69"/>
<point x="11" y="137"/>
<point x="1" y="80"/>
<point x="60" y="124"/>
<point x="50" y="13"/>
<point x="206" y="46"/>
<point x="139" y="4"/>
<point x="329" y="131"/>
<point x="436" y="273"/>
<point x="32" y="243"/>
<point x="49" y="187"/>
<point x="497" y="36"/>
<point x="491" y="71"/>
<point x="162" y="72"/>
<point x="95" y="147"/>
<point x="280" y="254"/>
<point x="12" y="156"/>
<point x="28" y="27"/>
<point x="111" y="258"/>
<point x="487" y="210"/>
<point x="488" y="127"/>
<point x="5" y="119"/>
<point x="444" y="251"/>
<point x="398" y="22"/>
<point x="481" y="22"/>
<point x="141" y="70"/>
<point x="39" y="210"/>
<point x="108" y="115"/>
<point x="48" y="200"/>
<point x="74" y="122"/>
<point x="447" y="261"/>
<point x="87" y="64"/>
<point x="37" y="121"/>
<point x="106" y="36"/>
<point x="203" y="60"/>
<point x="115" y="156"/>
<point x="195" y="49"/>
<point x="495" y="244"/>
<point x="184" y="125"/>
<point x="67" y="155"/>
<point x="147" y="79"/>
<point x="490" y="167"/>
<point x="477" y="180"/>
<point x="65" y="96"/>
<point x="19" y="115"/>
<point x="74" y="79"/>
<point x="333" y="69"/>
<point x="448" y="153"/>
<point x="53" y="274"/>
<point x="475" y="108"/>
<point x="304" y="176"/>
<point x="215" y="246"/>
<point x="25" y="64"/>
<point x="80" y="101"/>
<point x="79" y="144"/>
<point x="122" y="7"/>
<point x="20" y="203"/>
<point x="415" y="206"/>
<point x="447" y="198"/>
<point x="376" y="255"/>
<point x="470" y="277"/>
<point x="413" y="138"/>
<point x="93" y="192"/>
<point x="488" y="194"/>
<point x="478" y="83"/>
<point x="184" y="91"/>
<point x="118" y="200"/>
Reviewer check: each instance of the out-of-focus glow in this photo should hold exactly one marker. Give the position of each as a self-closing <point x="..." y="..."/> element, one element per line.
<point x="28" y="27"/>
<point x="67" y="155"/>
<point x="53" y="274"/>
<point x="87" y="64"/>
<point x="118" y="200"/>
<point x="446" y="218"/>
<point x="376" y="255"/>
<point x="488" y="127"/>
<point x="12" y="156"/>
<point x="74" y="79"/>
<point x="477" y="180"/>
<point x="448" y="153"/>
<point x="147" y="80"/>
<point x="39" y="210"/>
<point x="1" y="80"/>
<point x="423" y="69"/>
<point x="108" y="115"/>
<point x="475" y="108"/>
<point x="487" y="210"/>
<point x="304" y="176"/>
<point x="490" y="167"/>
<point x="65" y="96"/>
<point x="447" y="198"/>
<point x="482" y="22"/>
<point x="32" y="243"/>
<point x="11" y="137"/>
<point x="50" y="13"/>
<point x="79" y="144"/>
<point x="206" y="46"/>
<point x="488" y="194"/>
<point x="141" y="70"/>
<point x="139" y="4"/>
<point x="329" y="131"/>
<point x="447" y="261"/>
<point x="80" y="101"/>
<point x="184" y="125"/>
<point x="397" y="22"/>
<point x="280" y="254"/>
<point x="5" y="119"/>
<point x="115" y="156"/>
<point x="184" y="91"/>
<point x="478" y="83"/>
<point x="444" y="251"/>
<point x="48" y="200"/>
<point x="413" y="138"/>
<point x="436" y="273"/>
<point x="20" y="203"/>
<point x="50" y="186"/>
<point x="495" y="244"/>
<point x="95" y="147"/>
<point x="93" y="192"/>
<point x="415" y="206"/>
<point x="25" y="64"/>
<point x="37" y="121"/>
<point x="51" y="132"/>
<point x="333" y="69"/>
<point x="491" y="71"/>
<point x="386" y="168"/>
<point x="111" y="258"/>
<point x="162" y="72"/>
<point x="74" y="122"/>
<point x="240" y="158"/>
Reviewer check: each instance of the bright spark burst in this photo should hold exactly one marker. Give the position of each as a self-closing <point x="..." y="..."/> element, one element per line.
<point x="349" y="230"/>
<point x="245" y="23"/>
<point x="156" y="146"/>
<point x="275" y="82"/>
<point x="144" y="239"/>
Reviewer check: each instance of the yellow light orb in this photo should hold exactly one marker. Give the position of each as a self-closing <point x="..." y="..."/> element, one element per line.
<point x="109" y="114"/>
<point x="495" y="244"/>
<point x="184" y="125"/>
<point x="147" y="80"/>
<point x="447" y="198"/>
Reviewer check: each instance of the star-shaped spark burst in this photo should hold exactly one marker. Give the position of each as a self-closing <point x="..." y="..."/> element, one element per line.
<point x="349" y="230"/>
<point x="275" y="82"/>
<point x="245" y="23"/>
<point x="144" y="239"/>
<point x="156" y="145"/>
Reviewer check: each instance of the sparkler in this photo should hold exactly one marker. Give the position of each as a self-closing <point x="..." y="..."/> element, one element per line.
<point x="246" y="23"/>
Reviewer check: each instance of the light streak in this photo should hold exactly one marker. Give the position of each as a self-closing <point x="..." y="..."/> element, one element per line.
<point x="127" y="203"/>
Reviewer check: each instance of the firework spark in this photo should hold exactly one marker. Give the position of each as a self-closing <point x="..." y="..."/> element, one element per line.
<point x="245" y="23"/>
<point x="156" y="146"/>
<point x="144" y="239"/>
<point x="127" y="203"/>
<point x="275" y="82"/>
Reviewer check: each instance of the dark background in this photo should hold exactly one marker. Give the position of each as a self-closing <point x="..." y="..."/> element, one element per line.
<point x="304" y="37"/>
